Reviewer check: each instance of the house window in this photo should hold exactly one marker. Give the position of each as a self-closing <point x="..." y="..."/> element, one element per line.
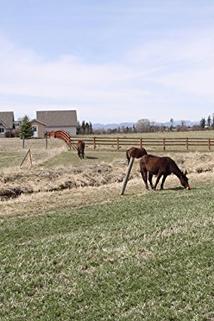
<point x="2" y="129"/>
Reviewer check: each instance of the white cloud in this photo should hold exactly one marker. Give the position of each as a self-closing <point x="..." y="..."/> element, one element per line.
<point x="129" y="89"/>
<point x="185" y="63"/>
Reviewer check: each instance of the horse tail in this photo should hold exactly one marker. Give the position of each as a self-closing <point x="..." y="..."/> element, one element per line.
<point x="81" y="148"/>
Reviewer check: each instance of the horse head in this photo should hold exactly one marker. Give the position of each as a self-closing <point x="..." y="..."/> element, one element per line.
<point x="184" y="180"/>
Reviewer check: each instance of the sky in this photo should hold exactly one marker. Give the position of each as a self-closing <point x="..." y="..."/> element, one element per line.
<point x="112" y="61"/>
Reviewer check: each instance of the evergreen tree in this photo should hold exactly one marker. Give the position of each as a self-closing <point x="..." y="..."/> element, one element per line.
<point x="90" y="128"/>
<point x="213" y="122"/>
<point x="78" y="128"/>
<point x="209" y="121"/>
<point x="202" y="123"/>
<point x="26" y="128"/>
<point x="86" y="128"/>
<point x="171" y="124"/>
<point x="83" y="127"/>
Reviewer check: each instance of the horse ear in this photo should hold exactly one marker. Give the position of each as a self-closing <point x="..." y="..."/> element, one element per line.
<point x="185" y="172"/>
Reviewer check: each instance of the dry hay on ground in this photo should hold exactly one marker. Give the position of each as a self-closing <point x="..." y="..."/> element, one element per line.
<point x="18" y="181"/>
<point x="43" y="180"/>
<point x="35" y="191"/>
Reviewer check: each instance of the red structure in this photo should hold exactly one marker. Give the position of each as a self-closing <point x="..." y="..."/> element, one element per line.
<point x="65" y="136"/>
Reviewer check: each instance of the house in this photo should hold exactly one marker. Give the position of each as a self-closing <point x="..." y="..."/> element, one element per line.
<point x="39" y="128"/>
<point x="53" y="120"/>
<point x="6" y="123"/>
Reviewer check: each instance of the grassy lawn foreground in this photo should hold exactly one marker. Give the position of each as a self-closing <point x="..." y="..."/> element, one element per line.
<point x="139" y="258"/>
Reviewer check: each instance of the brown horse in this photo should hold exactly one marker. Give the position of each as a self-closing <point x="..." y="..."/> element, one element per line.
<point x="160" y="166"/>
<point x="81" y="149"/>
<point x="135" y="153"/>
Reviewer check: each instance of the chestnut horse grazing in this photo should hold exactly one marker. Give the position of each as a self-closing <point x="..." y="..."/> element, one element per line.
<point x="160" y="166"/>
<point x="81" y="149"/>
<point x="135" y="153"/>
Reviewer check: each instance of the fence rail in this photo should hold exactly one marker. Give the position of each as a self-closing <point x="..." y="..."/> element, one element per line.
<point x="120" y="143"/>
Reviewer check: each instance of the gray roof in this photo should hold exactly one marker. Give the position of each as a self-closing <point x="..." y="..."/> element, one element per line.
<point x="58" y="118"/>
<point x="7" y="118"/>
<point x="38" y="121"/>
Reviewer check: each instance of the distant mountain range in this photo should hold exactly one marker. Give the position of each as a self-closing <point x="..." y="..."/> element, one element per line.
<point x="130" y="124"/>
<point x="113" y="126"/>
<point x="179" y="122"/>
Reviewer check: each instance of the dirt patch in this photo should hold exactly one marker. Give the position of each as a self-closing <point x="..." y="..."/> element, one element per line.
<point x="13" y="192"/>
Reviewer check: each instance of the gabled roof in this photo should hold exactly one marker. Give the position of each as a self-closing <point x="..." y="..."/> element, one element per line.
<point x="58" y="118"/>
<point x="7" y="118"/>
<point x="38" y="121"/>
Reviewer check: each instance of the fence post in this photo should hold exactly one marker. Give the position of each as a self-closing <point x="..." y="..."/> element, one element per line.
<point x="141" y="142"/>
<point x="118" y="143"/>
<point x="164" y="144"/>
<point x="187" y="143"/>
<point x="94" y="143"/>
<point x="127" y="175"/>
<point x="46" y="141"/>
<point x="209" y="144"/>
<point x="28" y="154"/>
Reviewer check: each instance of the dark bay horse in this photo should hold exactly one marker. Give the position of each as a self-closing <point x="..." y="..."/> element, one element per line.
<point x="135" y="153"/>
<point x="161" y="167"/>
<point x="81" y="149"/>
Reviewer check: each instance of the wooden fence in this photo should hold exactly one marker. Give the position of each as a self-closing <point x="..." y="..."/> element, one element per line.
<point x="121" y="143"/>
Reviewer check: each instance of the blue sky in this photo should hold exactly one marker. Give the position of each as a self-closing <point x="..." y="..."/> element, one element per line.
<point x="113" y="61"/>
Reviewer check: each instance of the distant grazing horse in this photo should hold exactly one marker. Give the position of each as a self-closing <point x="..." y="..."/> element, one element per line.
<point x="160" y="166"/>
<point x="135" y="153"/>
<point x="81" y="149"/>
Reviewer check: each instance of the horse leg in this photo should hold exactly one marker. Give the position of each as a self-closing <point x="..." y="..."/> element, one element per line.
<point x="157" y="180"/>
<point x="163" y="180"/>
<point x="144" y="176"/>
<point x="150" y="180"/>
<point x="128" y="158"/>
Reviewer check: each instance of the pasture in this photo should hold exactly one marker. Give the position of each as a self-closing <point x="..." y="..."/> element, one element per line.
<point x="72" y="248"/>
<point x="144" y="257"/>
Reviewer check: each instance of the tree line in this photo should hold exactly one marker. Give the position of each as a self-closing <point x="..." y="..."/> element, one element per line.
<point x="25" y="130"/>
<point x="84" y="128"/>
<point x="207" y="122"/>
<point x="145" y="126"/>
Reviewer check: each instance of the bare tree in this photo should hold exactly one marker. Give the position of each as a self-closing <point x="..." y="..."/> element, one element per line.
<point x="143" y="125"/>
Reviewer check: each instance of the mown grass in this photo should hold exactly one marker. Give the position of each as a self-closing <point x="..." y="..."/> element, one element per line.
<point x="138" y="258"/>
<point x="68" y="158"/>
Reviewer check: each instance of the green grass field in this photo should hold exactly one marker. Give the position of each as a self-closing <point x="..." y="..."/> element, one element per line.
<point x="146" y="257"/>
<point x="67" y="158"/>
